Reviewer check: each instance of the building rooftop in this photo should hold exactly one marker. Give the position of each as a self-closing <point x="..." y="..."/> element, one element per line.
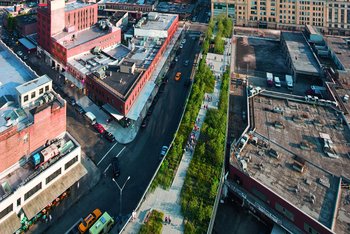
<point x="288" y="154"/>
<point x="16" y="71"/>
<point x="341" y="48"/>
<point x="145" y="50"/>
<point x="137" y="2"/>
<point x="88" y="62"/>
<point x="176" y="8"/>
<point x="301" y="55"/>
<point x="297" y="188"/>
<point x="118" y="52"/>
<point x="70" y="6"/>
<point x="26" y="19"/>
<point x="73" y="39"/>
<point x="22" y="172"/>
<point x="120" y="83"/>
<point x="28" y="86"/>
<point x="156" y="21"/>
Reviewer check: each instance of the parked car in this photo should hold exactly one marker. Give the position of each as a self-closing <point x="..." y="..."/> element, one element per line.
<point x="115" y="167"/>
<point x="183" y="41"/>
<point x="178" y="76"/>
<point x="144" y="123"/>
<point x="19" y="53"/>
<point x="109" y="136"/>
<point x="186" y="62"/>
<point x="176" y="59"/>
<point x="181" y="46"/>
<point x="89" y="221"/>
<point x="99" y="128"/>
<point x="163" y="151"/>
<point x="79" y="109"/>
<point x="71" y="101"/>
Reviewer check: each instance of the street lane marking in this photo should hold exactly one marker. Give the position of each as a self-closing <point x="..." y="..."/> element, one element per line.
<point x="120" y="152"/>
<point x="107" y="153"/>
<point x="107" y="168"/>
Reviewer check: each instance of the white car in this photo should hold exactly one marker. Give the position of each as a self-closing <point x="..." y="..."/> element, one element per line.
<point x="181" y="46"/>
<point x="183" y="41"/>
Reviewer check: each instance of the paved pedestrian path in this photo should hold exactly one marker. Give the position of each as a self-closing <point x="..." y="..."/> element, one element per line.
<point x="168" y="201"/>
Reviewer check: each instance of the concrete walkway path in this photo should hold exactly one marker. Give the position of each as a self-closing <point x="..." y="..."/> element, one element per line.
<point x="168" y="201"/>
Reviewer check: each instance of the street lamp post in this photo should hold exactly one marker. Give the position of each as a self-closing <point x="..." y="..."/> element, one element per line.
<point x="121" y="193"/>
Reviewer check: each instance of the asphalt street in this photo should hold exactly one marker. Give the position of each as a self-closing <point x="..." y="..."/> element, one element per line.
<point x="138" y="159"/>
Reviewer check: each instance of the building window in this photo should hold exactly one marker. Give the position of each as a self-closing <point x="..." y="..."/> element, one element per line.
<point x="18" y="201"/>
<point x="284" y="211"/>
<point x="32" y="95"/>
<point x="5" y="211"/>
<point x="71" y="162"/>
<point x="46" y="88"/>
<point x="53" y="176"/>
<point x="25" y="98"/>
<point x="32" y="191"/>
<point x="41" y="91"/>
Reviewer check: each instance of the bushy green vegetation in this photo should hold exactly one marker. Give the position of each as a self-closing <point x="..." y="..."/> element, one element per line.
<point x="154" y="224"/>
<point x="203" y="175"/>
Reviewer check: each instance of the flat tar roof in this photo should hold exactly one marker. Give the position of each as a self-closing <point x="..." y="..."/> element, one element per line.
<point x="295" y="136"/>
<point x="340" y="48"/>
<point x="14" y="71"/>
<point x="118" y="52"/>
<point x="81" y="37"/>
<point x="297" y="188"/>
<point x="300" y="53"/>
<point x="120" y="83"/>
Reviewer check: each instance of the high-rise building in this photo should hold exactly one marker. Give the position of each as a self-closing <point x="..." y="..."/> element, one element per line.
<point x="331" y="17"/>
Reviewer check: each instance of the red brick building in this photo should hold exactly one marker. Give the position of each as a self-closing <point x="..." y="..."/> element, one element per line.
<point x="104" y="92"/>
<point x="69" y="29"/>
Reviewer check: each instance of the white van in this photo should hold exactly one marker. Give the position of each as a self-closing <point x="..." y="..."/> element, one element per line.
<point x="289" y="81"/>
<point x="90" y="117"/>
<point x="277" y="81"/>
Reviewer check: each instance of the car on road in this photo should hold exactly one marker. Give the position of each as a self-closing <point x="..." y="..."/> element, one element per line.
<point x="109" y="136"/>
<point x="71" y="101"/>
<point x="163" y="151"/>
<point x="19" y="53"/>
<point x="89" y="221"/>
<point x="115" y="167"/>
<point x="183" y="41"/>
<point x="181" y="46"/>
<point x="79" y="109"/>
<point x="99" y="128"/>
<point x="176" y="59"/>
<point x="178" y="76"/>
<point x="144" y="123"/>
<point x="186" y="62"/>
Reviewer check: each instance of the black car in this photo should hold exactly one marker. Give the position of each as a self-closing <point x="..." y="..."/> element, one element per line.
<point x="115" y="167"/>
<point x="71" y="101"/>
<point x="109" y="136"/>
<point x="79" y="109"/>
<point x="144" y="123"/>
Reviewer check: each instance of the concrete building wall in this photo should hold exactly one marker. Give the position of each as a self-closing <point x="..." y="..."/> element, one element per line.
<point x="330" y="16"/>
<point x="300" y="219"/>
<point x="81" y="18"/>
<point x="48" y="124"/>
<point x="41" y="178"/>
<point x="140" y="32"/>
<point x="56" y="9"/>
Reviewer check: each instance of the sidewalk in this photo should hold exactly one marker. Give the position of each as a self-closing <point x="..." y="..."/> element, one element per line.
<point x="79" y="189"/>
<point x="168" y="201"/>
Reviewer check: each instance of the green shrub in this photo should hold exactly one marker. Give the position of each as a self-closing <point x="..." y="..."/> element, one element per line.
<point x="154" y="224"/>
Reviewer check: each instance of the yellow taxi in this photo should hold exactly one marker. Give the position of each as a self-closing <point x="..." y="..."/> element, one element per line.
<point x="89" y="221"/>
<point x="178" y="76"/>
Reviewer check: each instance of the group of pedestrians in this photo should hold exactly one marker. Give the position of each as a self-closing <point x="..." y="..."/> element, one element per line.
<point x="167" y="220"/>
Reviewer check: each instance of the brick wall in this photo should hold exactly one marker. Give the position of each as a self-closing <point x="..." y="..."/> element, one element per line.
<point x="14" y="145"/>
<point x="87" y="17"/>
